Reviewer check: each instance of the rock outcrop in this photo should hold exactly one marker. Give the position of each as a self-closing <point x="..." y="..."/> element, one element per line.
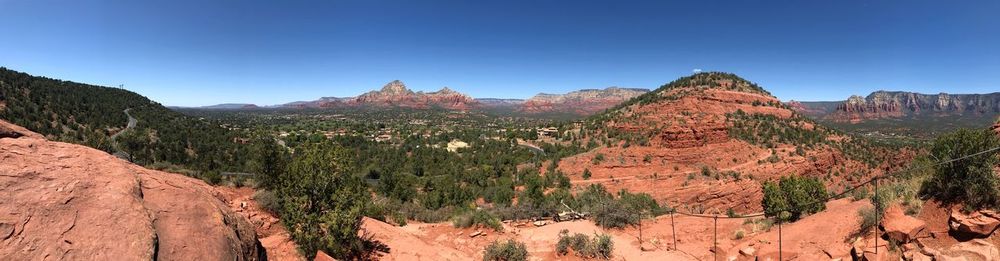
<point x="895" y="104"/>
<point x="900" y="227"/>
<point x="976" y="249"/>
<point x="980" y="223"/>
<point x="582" y="102"/>
<point x="395" y="94"/>
<point x="706" y="142"/>
<point x="65" y="201"/>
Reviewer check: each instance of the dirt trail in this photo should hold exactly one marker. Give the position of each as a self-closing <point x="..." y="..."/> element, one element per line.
<point x="667" y="176"/>
<point x="816" y="237"/>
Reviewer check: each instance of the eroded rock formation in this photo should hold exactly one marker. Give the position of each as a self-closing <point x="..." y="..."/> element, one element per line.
<point x="66" y="201"/>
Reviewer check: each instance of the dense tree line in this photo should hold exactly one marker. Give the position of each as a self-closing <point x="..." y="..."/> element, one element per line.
<point x="89" y="115"/>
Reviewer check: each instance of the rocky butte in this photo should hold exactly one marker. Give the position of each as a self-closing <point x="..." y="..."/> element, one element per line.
<point x="395" y="94"/>
<point x="707" y="142"/>
<point x="69" y="202"/>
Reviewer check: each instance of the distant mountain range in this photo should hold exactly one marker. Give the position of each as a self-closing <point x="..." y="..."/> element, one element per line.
<point x="896" y="104"/>
<point x="396" y="94"/>
<point x="907" y="113"/>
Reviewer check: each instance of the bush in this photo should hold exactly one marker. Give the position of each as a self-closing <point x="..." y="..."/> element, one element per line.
<point x="505" y="251"/>
<point x="586" y="174"/>
<point x="562" y="247"/>
<point x="478" y="217"/>
<point x="615" y="214"/>
<point x="869" y="219"/>
<point x="597" y="159"/>
<point x="268" y="201"/>
<point x="601" y="246"/>
<point x="795" y="195"/>
<point x="859" y="193"/>
<point x="610" y="212"/>
<point x="323" y="203"/>
<point x="212" y="177"/>
<point x="970" y="181"/>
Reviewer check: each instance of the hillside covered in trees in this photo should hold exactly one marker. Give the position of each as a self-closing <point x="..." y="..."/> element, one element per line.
<point x="90" y="115"/>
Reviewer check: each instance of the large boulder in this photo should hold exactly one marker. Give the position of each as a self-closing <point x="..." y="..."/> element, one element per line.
<point x="977" y="249"/>
<point x="67" y="202"/>
<point x="979" y="223"/>
<point x="900" y="227"/>
<point x="869" y="249"/>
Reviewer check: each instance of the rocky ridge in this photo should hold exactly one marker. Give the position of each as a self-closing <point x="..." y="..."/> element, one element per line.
<point x="66" y="201"/>
<point x="582" y="102"/>
<point x="395" y="94"/>
<point x="897" y="104"/>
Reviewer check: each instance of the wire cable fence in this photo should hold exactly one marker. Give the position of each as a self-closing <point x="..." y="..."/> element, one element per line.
<point x="872" y="180"/>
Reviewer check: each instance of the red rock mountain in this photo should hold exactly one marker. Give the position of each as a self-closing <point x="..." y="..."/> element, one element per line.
<point x="706" y="142"/>
<point x="69" y="202"/>
<point x="395" y="94"/>
<point x="887" y="104"/>
<point x="582" y="102"/>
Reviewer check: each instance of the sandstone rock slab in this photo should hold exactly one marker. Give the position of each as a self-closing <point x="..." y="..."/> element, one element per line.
<point x="69" y="202"/>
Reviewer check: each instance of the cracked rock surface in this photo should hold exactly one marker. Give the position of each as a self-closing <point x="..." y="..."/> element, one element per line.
<point x="66" y="201"/>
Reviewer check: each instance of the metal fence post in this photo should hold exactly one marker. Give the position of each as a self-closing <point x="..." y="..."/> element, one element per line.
<point x="779" y="237"/>
<point x="715" y="238"/>
<point x="673" y="229"/>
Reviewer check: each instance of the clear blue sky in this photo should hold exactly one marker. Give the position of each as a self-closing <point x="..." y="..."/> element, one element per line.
<point x="190" y="53"/>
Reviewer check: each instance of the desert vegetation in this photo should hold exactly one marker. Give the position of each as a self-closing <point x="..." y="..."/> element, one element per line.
<point x="793" y="197"/>
<point x="509" y="250"/>
<point x="599" y="247"/>
<point x="971" y="181"/>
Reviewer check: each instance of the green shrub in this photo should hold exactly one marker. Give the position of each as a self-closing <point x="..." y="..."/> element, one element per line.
<point x="732" y="213"/>
<point x="586" y="174"/>
<point x="597" y="159"/>
<point x="478" y="217"/>
<point x="212" y="177"/>
<point x="562" y="247"/>
<point x="859" y="193"/>
<point x="601" y="246"/>
<point x="510" y="250"/>
<point x="970" y="181"/>
<point x="795" y="195"/>
<point x="267" y="201"/>
<point x="323" y="203"/>
<point x="580" y="244"/>
<point x="615" y="214"/>
<point x="869" y="219"/>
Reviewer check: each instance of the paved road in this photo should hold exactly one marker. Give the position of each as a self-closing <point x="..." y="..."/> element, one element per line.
<point x="131" y="124"/>
<point x="114" y="143"/>
<point x="532" y="147"/>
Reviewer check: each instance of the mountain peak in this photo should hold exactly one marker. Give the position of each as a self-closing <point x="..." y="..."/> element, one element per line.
<point x="715" y="80"/>
<point x="395" y="87"/>
<point x="446" y="90"/>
